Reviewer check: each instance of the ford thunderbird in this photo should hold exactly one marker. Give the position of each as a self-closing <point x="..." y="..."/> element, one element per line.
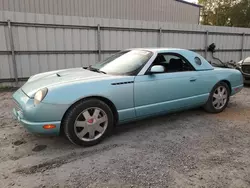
<point x="86" y="103"/>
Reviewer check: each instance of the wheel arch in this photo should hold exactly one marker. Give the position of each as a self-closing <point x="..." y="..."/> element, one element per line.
<point x="228" y="84"/>
<point x="101" y="98"/>
<point x="208" y="106"/>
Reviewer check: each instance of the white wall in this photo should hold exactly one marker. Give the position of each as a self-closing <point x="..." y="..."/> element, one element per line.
<point x="81" y="44"/>
<point x="148" y="10"/>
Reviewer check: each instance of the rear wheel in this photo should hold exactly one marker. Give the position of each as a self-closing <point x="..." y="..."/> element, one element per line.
<point x="88" y="122"/>
<point x="218" y="99"/>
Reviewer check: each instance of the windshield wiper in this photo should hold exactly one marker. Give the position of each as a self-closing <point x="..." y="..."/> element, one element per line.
<point x="95" y="70"/>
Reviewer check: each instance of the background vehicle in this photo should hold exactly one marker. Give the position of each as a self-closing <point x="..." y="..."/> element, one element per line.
<point x="244" y="67"/>
<point x="86" y="103"/>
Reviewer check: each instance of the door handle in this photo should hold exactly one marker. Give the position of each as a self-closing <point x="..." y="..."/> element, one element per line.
<point x="193" y="79"/>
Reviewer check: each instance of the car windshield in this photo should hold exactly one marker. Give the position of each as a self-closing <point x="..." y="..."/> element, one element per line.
<point x="128" y="62"/>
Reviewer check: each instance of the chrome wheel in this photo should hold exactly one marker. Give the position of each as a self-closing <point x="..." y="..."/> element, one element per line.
<point x="220" y="97"/>
<point x="91" y="124"/>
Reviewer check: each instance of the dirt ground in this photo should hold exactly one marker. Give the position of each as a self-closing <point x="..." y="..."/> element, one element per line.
<point x="187" y="149"/>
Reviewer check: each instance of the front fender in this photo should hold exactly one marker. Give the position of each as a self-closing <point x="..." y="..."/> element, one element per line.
<point x="120" y="95"/>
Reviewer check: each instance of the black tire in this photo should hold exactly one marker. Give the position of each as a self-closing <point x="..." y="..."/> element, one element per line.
<point x="73" y="113"/>
<point x="209" y="107"/>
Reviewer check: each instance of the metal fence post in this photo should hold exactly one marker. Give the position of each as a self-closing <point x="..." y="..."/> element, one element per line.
<point x="12" y="47"/>
<point x="206" y="44"/>
<point x="159" y="37"/>
<point x="242" y="46"/>
<point x="99" y="41"/>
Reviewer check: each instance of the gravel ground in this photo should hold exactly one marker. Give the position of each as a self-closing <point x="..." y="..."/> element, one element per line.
<point x="187" y="149"/>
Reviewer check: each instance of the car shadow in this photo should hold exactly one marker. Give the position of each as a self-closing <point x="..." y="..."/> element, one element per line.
<point x="167" y="120"/>
<point x="247" y="85"/>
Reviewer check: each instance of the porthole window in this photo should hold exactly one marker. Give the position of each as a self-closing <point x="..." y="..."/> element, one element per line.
<point x="197" y="60"/>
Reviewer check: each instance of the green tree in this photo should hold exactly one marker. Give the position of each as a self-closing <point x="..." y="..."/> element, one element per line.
<point x="226" y="12"/>
<point x="240" y="14"/>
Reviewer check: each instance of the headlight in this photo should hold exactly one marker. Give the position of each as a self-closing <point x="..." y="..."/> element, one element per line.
<point x="39" y="96"/>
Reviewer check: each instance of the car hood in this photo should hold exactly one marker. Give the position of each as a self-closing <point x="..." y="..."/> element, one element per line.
<point x="52" y="78"/>
<point x="246" y="61"/>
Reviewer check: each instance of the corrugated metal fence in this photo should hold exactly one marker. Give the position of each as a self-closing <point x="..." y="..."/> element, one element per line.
<point x="33" y="43"/>
<point x="147" y="10"/>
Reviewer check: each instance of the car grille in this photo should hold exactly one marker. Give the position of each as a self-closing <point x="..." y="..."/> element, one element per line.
<point x="246" y="69"/>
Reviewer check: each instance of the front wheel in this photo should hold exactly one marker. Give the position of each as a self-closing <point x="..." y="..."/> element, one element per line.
<point x="218" y="99"/>
<point x="88" y="122"/>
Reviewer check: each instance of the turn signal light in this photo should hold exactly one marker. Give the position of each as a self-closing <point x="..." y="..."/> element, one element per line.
<point x="49" y="126"/>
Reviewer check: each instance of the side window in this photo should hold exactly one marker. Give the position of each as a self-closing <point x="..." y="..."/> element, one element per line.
<point x="173" y="63"/>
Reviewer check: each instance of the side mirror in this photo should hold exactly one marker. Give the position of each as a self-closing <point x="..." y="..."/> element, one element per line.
<point x="157" y="69"/>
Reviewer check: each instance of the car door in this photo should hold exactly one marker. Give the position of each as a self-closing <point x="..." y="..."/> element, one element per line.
<point x="169" y="91"/>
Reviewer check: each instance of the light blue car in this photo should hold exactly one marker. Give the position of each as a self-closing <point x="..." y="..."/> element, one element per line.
<point x="86" y="103"/>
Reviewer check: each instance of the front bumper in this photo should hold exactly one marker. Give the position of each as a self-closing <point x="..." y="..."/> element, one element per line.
<point x="236" y="89"/>
<point x="37" y="127"/>
<point x="34" y="117"/>
<point x="246" y="79"/>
